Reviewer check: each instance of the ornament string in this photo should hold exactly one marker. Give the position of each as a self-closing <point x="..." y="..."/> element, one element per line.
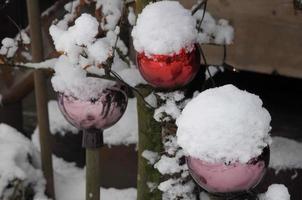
<point x="118" y="77"/>
<point x="203" y="14"/>
<point x="199" y="5"/>
<point x="204" y="5"/>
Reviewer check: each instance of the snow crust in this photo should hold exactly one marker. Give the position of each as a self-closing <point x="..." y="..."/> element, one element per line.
<point x="224" y="124"/>
<point x="164" y="27"/>
<point x="276" y="192"/>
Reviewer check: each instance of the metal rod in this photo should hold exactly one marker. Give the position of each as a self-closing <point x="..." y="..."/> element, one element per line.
<point x="33" y="12"/>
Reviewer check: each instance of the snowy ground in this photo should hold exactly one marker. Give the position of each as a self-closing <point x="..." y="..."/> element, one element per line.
<point x="69" y="179"/>
<point x="70" y="184"/>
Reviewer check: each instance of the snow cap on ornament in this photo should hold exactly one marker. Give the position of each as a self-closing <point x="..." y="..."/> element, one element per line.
<point x="165" y="38"/>
<point x="224" y="125"/>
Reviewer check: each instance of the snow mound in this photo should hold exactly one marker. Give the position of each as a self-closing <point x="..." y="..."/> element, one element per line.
<point x="285" y="154"/>
<point x="276" y="192"/>
<point x="164" y="27"/>
<point x="224" y="124"/>
<point x="18" y="162"/>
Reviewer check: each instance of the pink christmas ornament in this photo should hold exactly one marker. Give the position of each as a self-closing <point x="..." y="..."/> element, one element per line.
<point x="222" y="178"/>
<point x="98" y="113"/>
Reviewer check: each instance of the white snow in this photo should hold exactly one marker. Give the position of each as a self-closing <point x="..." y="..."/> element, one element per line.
<point x="72" y="81"/>
<point x="18" y="161"/>
<point x="170" y="108"/>
<point x="224" y="32"/>
<point x="132" y="76"/>
<point x="82" y="50"/>
<point x="204" y="196"/>
<point x="224" y="124"/>
<point x="151" y="99"/>
<point x="70" y="184"/>
<point x="285" y="154"/>
<point x="170" y="165"/>
<point x="9" y="47"/>
<point x="23" y="37"/>
<point x="125" y="131"/>
<point x="173" y="189"/>
<point x="219" y="32"/>
<point x="57" y="122"/>
<point x="131" y="16"/>
<point x="111" y="37"/>
<point x="49" y="63"/>
<point x="70" y="41"/>
<point x="276" y="192"/>
<point x="100" y="50"/>
<point x="164" y="27"/>
<point x="112" y="11"/>
<point x="151" y="156"/>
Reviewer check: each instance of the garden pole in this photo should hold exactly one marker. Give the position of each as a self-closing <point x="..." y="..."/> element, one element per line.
<point x="149" y="138"/>
<point x="33" y="12"/>
<point x="92" y="142"/>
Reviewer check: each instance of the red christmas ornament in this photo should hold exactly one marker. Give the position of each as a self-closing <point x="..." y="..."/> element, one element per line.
<point x="169" y="71"/>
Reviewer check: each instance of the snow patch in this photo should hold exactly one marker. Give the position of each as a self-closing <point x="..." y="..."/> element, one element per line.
<point x="19" y="162"/>
<point x="276" y="192"/>
<point x="285" y="154"/>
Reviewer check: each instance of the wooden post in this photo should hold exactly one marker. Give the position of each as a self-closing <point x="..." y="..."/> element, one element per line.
<point x="140" y="4"/>
<point x="93" y="174"/>
<point x="33" y="12"/>
<point x="92" y="142"/>
<point x="150" y="138"/>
